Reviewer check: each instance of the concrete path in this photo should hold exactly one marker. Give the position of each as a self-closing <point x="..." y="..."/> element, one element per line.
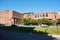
<point x="56" y="36"/>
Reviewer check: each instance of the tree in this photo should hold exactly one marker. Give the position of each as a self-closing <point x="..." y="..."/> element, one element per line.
<point x="58" y="21"/>
<point x="25" y="21"/>
<point x="39" y="21"/>
<point x="33" y="22"/>
<point x="53" y="22"/>
<point x="29" y="21"/>
<point x="45" y="21"/>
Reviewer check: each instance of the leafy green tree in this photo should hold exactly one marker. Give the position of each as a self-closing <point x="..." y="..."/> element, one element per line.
<point x="58" y="21"/>
<point x="29" y="21"/>
<point x="33" y="22"/>
<point x="25" y="21"/>
<point x="45" y="21"/>
<point x="53" y="22"/>
<point x="39" y="21"/>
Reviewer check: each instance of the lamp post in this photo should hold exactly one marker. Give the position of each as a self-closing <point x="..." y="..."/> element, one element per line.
<point x="56" y="26"/>
<point x="56" y="23"/>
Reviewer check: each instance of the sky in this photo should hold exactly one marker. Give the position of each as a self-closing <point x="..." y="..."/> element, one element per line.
<point x="30" y="5"/>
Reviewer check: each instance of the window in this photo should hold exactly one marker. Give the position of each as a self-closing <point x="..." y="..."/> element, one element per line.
<point x="40" y="15"/>
<point x="46" y="14"/>
<point x="36" y="15"/>
<point x="43" y="15"/>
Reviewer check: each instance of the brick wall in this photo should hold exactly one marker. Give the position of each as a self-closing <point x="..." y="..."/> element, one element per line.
<point x="6" y="17"/>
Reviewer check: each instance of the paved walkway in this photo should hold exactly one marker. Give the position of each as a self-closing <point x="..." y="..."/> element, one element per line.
<point x="55" y="36"/>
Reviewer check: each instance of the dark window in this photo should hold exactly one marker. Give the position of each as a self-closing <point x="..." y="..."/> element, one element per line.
<point x="46" y="14"/>
<point x="43" y="15"/>
<point x="35" y="16"/>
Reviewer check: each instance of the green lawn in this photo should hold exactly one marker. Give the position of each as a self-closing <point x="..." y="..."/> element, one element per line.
<point x="52" y="30"/>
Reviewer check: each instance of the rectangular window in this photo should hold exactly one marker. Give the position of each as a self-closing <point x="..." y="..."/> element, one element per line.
<point x="41" y="15"/>
<point x="38" y="15"/>
<point x="35" y="16"/>
<point x="46" y="14"/>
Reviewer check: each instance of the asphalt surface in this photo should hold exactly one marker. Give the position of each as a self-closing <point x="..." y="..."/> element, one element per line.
<point x="10" y="35"/>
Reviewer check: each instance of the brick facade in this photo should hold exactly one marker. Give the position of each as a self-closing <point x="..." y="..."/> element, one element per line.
<point x="40" y="15"/>
<point x="10" y="17"/>
<point x="13" y="17"/>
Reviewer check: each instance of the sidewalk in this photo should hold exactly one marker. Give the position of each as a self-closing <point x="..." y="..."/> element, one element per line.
<point x="57" y="36"/>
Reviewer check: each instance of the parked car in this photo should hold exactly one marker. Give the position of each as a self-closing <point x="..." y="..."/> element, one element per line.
<point x="44" y="25"/>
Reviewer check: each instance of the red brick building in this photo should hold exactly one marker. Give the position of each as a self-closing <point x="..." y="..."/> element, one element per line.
<point x="40" y="15"/>
<point x="9" y="17"/>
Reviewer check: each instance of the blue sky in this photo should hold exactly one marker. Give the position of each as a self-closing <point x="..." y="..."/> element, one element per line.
<point x="30" y="5"/>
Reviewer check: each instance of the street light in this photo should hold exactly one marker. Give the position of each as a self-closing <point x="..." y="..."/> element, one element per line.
<point x="56" y="26"/>
<point x="56" y="22"/>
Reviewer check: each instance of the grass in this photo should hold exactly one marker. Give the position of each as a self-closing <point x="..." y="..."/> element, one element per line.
<point x="22" y="29"/>
<point x="52" y="30"/>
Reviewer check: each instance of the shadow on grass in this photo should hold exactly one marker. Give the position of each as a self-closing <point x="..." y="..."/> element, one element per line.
<point x="23" y="33"/>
